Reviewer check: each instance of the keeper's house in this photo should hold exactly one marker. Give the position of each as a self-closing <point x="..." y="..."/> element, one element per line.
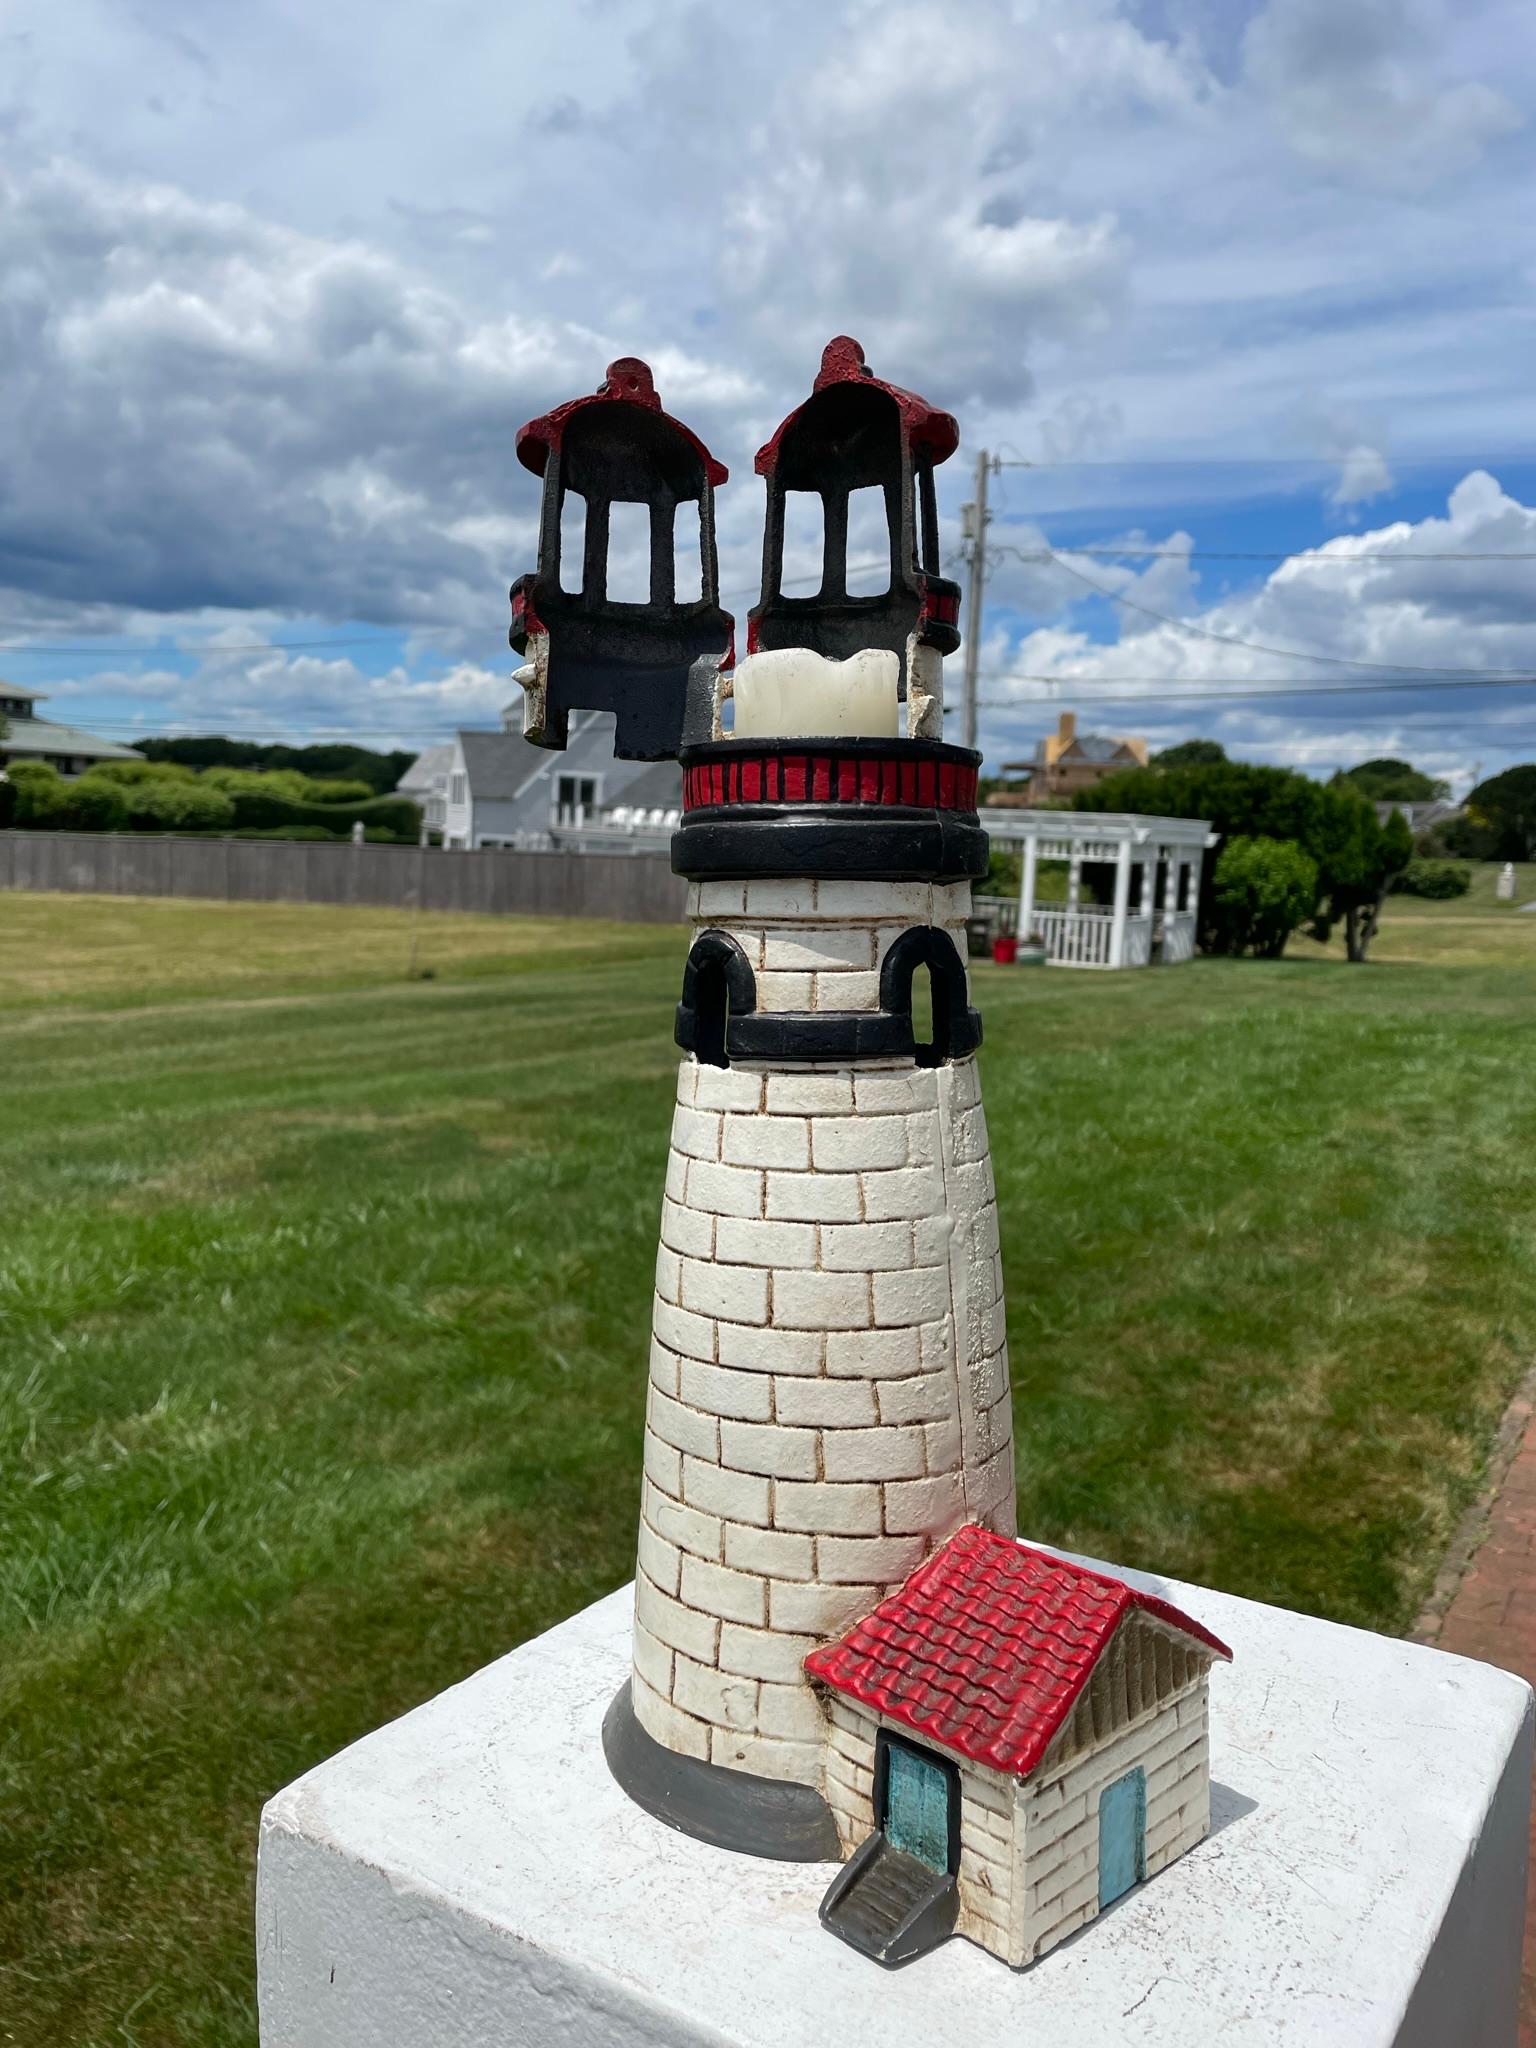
<point x="1014" y="1742"/>
<point x="26" y="737"/>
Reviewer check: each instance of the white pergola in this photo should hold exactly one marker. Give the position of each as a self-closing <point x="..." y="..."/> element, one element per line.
<point x="1135" y="928"/>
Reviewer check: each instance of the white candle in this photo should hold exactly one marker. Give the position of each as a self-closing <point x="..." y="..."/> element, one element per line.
<point x="791" y="693"/>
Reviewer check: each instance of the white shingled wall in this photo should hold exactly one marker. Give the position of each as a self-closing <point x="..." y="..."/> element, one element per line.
<point x="829" y="1377"/>
<point x="1056" y="1837"/>
<point x="986" y="1818"/>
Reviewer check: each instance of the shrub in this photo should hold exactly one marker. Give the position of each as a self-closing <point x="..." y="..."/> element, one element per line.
<point x="339" y="792"/>
<point x="1262" y="890"/>
<point x="162" y="806"/>
<point x="39" y="795"/>
<point x="316" y="833"/>
<point x="263" y="810"/>
<point x="7" y="800"/>
<point x="130" y="772"/>
<point x="358" y="764"/>
<point x="93" y="804"/>
<point x="1435" y="878"/>
<point x="23" y="772"/>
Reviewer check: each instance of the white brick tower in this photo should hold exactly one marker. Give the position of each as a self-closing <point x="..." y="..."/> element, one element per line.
<point x="828" y="1397"/>
<point x="829" y="1372"/>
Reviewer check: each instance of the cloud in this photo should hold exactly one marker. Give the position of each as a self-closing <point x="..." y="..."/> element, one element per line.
<point x="207" y="409"/>
<point x="1358" y="86"/>
<point x="1400" y="604"/>
<point x="955" y="261"/>
<point x="237" y="686"/>
<point x="1363" y="475"/>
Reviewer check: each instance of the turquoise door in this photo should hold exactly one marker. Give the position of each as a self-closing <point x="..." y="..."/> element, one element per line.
<point x="1122" y="1836"/>
<point x="917" y="1805"/>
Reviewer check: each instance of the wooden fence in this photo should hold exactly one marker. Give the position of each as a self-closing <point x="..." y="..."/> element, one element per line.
<point x="636" y="888"/>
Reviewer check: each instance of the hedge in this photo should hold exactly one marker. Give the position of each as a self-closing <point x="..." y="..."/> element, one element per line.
<point x="261" y="811"/>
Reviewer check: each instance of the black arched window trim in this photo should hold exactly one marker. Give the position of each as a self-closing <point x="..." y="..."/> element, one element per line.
<point x="956" y="1026"/>
<point x="718" y="987"/>
<point x="718" y="1019"/>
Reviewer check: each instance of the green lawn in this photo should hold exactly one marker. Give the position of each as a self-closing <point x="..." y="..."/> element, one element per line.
<point x="323" y="1316"/>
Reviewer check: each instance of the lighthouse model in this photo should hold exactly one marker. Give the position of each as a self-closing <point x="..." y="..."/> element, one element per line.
<point x="841" y="1650"/>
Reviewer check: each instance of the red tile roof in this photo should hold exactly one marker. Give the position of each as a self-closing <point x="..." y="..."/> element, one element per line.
<point x="986" y="1647"/>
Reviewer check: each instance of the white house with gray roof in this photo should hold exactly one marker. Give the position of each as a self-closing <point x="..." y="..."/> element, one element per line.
<point x="501" y="792"/>
<point x="64" y="747"/>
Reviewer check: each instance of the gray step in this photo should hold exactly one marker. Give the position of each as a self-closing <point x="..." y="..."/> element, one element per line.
<point x="888" y="1905"/>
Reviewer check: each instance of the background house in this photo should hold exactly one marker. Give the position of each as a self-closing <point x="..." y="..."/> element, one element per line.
<point x="502" y="792"/>
<point x="425" y="782"/>
<point x="63" y="747"/>
<point x="1066" y="761"/>
<point x="1421" y="817"/>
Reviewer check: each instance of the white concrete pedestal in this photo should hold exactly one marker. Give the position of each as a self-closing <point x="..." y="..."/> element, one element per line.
<point x="471" y="1877"/>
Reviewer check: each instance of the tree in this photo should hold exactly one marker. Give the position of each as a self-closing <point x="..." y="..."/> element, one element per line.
<point x="1190" y="754"/>
<point x="1354" y="855"/>
<point x="1500" y="822"/>
<point x="1366" y="867"/>
<point x="1262" y="890"/>
<point x="381" y="772"/>
<point x="1387" y="781"/>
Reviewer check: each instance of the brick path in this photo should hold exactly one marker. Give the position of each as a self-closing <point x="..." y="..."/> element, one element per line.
<point x="1492" y="1616"/>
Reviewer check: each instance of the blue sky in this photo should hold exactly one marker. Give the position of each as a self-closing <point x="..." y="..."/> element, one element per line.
<point x="277" y="287"/>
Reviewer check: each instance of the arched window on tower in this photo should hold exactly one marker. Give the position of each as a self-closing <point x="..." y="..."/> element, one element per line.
<point x="718" y="983"/>
<point x="944" y="1025"/>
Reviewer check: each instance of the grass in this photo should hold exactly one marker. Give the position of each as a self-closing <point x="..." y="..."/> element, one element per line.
<point x="323" y="1315"/>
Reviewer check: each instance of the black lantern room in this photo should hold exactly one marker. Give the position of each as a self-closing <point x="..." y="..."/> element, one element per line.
<point x="856" y="434"/>
<point x="649" y="655"/>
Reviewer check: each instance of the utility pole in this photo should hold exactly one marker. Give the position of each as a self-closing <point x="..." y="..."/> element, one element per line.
<point x="974" y="532"/>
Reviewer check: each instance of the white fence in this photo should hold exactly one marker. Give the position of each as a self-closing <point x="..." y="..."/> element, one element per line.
<point x="1076" y="938"/>
<point x="1178" y="937"/>
<point x="1138" y="941"/>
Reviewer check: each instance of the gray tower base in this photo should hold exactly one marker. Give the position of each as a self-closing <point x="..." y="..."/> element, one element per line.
<point x="731" y="1809"/>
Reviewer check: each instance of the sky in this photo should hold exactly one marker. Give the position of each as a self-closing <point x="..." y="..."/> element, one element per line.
<point x="1244" y="296"/>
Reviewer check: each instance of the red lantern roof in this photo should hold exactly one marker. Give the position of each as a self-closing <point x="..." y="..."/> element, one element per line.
<point x="923" y="425"/>
<point x="987" y="1646"/>
<point x="628" y="382"/>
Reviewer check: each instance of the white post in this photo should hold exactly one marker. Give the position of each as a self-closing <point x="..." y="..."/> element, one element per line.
<point x="1122" y="898"/>
<point x="1074" y="877"/>
<point x="1171" y="887"/>
<point x="1027" y="889"/>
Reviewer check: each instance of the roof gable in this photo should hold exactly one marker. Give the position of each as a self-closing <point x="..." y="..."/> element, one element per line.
<point x="1095" y="747"/>
<point x="987" y="1646"/>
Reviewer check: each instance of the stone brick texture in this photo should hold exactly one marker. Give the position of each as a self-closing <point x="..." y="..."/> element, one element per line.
<point x="1029" y="1852"/>
<point x="829" y="1396"/>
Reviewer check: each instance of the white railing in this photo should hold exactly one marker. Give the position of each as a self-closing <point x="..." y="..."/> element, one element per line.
<point x="1085" y="937"/>
<point x="1076" y="938"/>
<point x="1178" y="937"/>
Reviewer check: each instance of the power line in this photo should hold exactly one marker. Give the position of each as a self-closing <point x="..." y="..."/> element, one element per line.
<point x="1312" y="556"/>
<point x="1260" y="646"/>
<point x="1246" y="696"/>
<point x="1305" y="462"/>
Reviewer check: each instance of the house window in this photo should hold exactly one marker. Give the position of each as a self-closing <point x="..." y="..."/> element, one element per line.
<point x="575" y="796"/>
<point x="458" y="791"/>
